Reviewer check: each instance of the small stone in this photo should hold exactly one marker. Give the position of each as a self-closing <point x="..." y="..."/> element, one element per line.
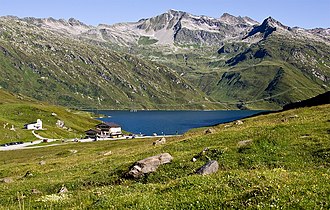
<point x="73" y="151"/>
<point x="42" y="162"/>
<point x="239" y="122"/>
<point x="28" y="174"/>
<point x="205" y="150"/>
<point x="209" y="168"/>
<point x="160" y="141"/>
<point x="244" y="143"/>
<point x="294" y="116"/>
<point x="63" y="190"/>
<point x="228" y="126"/>
<point x="12" y="128"/>
<point x="60" y="124"/>
<point x="107" y="153"/>
<point x="7" y="180"/>
<point x="210" y="131"/>
<point x="35" y="191"/>
<point x="193" y="159"/>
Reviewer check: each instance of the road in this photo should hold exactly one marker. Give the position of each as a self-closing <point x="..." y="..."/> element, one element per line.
<point x="33" y="144"/>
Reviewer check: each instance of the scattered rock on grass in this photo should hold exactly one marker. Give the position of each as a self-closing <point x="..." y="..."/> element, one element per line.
<point x="239" y="122"/>
<point x="63" y="190"/>
<point x="210" y="131"/>
<point x="42" y="163"/>
<point x="73" y="151"/>
<point x="209" y="168"/>
<point x="7" y="180"/>
<point x="294" y="116"/>
<point x="28" y="174"/>
<point x="160" y="141"/>
<point x="107" y="153"/>
<point x="35" y="191"/>
<point x="244" y="143"/>
<point x="148" y="165"/>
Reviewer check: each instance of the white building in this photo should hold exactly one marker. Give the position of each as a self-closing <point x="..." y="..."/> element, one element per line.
<point x="34" y="126"/>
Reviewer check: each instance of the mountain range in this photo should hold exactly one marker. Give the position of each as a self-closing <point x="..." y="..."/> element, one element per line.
<point x="172" y="61"/>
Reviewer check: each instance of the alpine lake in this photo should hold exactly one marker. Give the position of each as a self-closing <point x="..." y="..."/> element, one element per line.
<point x="170" y="122"/>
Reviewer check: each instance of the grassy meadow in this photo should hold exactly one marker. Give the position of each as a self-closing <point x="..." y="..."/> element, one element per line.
<point x="16" y="111"/>
<point x="285" y="166"/>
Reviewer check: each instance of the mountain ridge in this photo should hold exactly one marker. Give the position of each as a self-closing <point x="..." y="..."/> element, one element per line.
<point x="220" y="58"/>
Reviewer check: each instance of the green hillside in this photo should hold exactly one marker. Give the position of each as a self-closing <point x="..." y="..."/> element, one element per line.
<point x="65" y="70"/>
<point x="284" y="165"/>
<point x="18" y="110"/>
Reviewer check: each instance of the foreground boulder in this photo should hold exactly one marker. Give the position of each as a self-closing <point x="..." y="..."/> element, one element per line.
<point x="160" y="141"/>
<point x="148" y="165"/>
<point x="209" y="168"/>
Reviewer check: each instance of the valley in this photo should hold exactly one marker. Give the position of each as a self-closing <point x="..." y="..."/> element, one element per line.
<point x="172" y="61"/>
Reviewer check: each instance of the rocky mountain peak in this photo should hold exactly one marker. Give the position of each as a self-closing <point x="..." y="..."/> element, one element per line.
<point x="176" y="12"/>
<point x="227" y="17"/>
<point x="233" y="20"/>
<point x="268" y="26"/>
<point x="75" y="22"/>
<point x="271" y="22"/>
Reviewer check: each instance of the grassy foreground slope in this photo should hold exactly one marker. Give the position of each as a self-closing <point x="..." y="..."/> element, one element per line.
<point x="17" y="110"/>
<point x="285" y="166"/>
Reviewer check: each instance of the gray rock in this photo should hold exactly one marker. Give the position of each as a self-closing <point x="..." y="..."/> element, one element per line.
<point x="42" y="162"/>
<point x="148" y="165"/>
<point x="160" y="141"/>
<point x="209" y="168"/>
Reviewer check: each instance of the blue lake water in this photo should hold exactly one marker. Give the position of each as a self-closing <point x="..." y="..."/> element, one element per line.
<point x="170" y="122"/>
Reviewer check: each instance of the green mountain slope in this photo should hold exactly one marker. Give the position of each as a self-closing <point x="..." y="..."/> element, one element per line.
<point x="265" y="66"/>
<point x="18" y="110"/>
<point x="277" y="71"/>
<point x="64" y="70"/>
<point x="172" y="61"/>
<point x="285" y="164"/>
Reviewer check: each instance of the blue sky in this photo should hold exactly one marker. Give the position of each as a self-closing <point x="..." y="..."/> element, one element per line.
<point x="303" y="13"/>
